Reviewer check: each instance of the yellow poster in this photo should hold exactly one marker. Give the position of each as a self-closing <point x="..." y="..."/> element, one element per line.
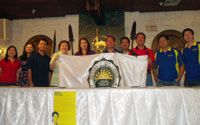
<point x="64" y="108"/>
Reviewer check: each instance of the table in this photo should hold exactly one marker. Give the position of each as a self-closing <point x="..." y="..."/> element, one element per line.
<point x="104" y="106"/>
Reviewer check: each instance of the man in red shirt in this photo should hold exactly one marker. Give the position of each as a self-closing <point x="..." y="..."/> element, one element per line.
<point x="140" y="50"/>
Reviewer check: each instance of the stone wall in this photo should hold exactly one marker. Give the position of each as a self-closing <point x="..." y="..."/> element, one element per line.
<point x="24" y="29"/>
<point x="114" y="25"/>
<point x="155" y="22"/>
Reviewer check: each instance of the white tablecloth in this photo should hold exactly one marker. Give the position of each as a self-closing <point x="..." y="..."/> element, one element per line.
<point x="117" y="106"/>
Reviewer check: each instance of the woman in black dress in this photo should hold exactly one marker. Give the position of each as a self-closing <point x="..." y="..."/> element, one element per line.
<point x="29" y="49"/>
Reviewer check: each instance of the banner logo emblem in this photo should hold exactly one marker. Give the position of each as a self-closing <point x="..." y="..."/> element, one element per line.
<point x="104" y="73"/>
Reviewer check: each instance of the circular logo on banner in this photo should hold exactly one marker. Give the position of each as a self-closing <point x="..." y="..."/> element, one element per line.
<point x="104" y="73"/>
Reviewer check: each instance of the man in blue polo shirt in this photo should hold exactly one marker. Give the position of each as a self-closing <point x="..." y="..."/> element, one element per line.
<point x="110" y="45"/>
<point x="169" y="64"/>
<point x="125" y="43"/>
<point x="191" y="57"/>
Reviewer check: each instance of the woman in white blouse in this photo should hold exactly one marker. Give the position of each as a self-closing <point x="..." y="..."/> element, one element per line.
<point x="63" y="47"/>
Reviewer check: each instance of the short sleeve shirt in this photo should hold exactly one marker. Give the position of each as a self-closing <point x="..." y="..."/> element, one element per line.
<point x="39" y="66"/>
<point x="115" y="50"/>
<point x="191" y="58"/>
<point x="167" y="64"/>
<point x="9" y="71"/>
<point x="55" y="76"/>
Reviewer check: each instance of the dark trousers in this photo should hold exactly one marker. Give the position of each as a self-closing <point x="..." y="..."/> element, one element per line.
<point x="8" y="84"/>
<point x="168" y="83"/>
<point x="190" y="83"/>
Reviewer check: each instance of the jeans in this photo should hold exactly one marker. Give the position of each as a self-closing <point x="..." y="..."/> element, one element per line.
<point x="168" y="83"/>
<point x="192" y="83"/>
<point x="149" y="81"/>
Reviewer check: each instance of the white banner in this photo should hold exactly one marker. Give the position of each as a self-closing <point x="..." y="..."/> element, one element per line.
<point x="74" y="70"/>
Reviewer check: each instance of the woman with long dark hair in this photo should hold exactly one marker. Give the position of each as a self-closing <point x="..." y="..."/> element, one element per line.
<point x="29" y="49"/>
<point x="9" y="67"/>
<point x="84" y="47"/>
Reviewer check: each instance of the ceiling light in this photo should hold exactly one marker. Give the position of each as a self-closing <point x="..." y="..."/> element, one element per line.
<point x="34" y="11"/>
<point x="170" y="3"/>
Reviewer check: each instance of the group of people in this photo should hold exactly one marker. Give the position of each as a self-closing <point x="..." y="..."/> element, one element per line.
<point x="167" y="64"/>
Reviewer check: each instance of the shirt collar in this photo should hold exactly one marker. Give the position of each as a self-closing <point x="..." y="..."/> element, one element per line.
<point x="10" y="60"/>
<point x="60" y="53"/>
<point x="126" y="52"/>
<point x="115" y="50"/>
<point x="138" y="48"/>
<point x="169" y="49"/>
<point x="40" y="54"/>
<point x="194" y="44"/>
